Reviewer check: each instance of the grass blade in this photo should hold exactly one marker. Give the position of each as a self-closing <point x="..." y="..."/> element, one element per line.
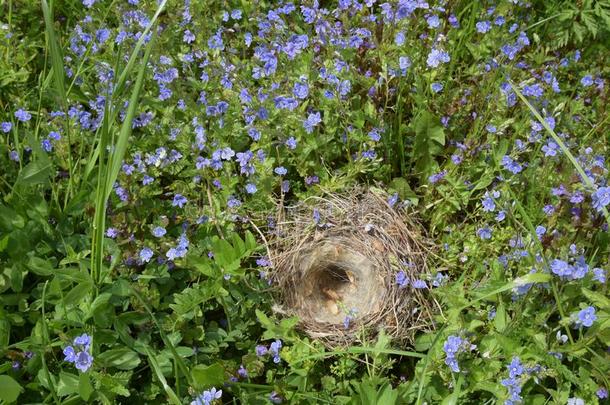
<point x="562" y="146"/>
<point x="56" y="54"/>
<point x="155" y="367"/>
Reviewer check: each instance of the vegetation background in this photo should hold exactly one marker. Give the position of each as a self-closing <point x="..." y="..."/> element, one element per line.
<point x="140" y="139"/>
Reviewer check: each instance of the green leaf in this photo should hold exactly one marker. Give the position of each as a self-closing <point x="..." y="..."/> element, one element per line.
<point x="39" y="266"/>
<point x="500" y="319"/>
<point x="429" y="142"/>
<point x="9" y="389"/>
<point x="85" y="389"/>
<point x="35" y="172"/>
<point x="121" y="358"/>
<point x="208" y="376"/>
<point x="597" y="299"/>
<point x="67" y="385"/>
<point x="187" y="301"/>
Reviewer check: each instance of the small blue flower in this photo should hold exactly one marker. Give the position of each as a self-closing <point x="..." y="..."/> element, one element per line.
<point x="146" y="254"/>
<point x="111" y="233"/>
<point x="280" y="171"/>
<point x="419" y="284"/>
<point x="561" y="268"/>
<point x="179" y="201"/>
<point x="158" y="231"/>
<point x="601" y="198"/>
<point x="599" y="275"/>
<point x="515" y="368"/>
<point x="23" y="115"/>
<point x="587" y="81"/>
<point x="78" y="352"/>
<point x="260" y="350"/>
<point x="6" y="127"/>
<point x="433" y="21"/>
<point x="207" y="397"/>
<point x="401" y="279"/>
<point x="484" y="233"/>
<point x="435" y="178"/>
<point x="291" y="143"/>
<point x="250" y="188"/>
<point x="488" y="204"/>
<point x="274" y="349"/>
<point x="511" y="165"/>
<point x="301" y="90"/>
<point x="312" y="121"/>
<point x="483" y="26"/>
<point x="436" y="57"/>
<point x="404" y="62"/>
<point x="436" y="87"/>
<point x="83" y="361"/>
<point x="586" y="317"/>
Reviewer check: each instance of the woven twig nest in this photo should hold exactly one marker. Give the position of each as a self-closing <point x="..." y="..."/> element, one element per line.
<point x="335" y="261"/>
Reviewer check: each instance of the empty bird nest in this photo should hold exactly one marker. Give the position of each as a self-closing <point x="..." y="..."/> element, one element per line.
<point x="337" y="263"/>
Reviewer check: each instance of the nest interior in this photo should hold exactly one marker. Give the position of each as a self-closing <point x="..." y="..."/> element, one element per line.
<point x="337" y="257"/>
<point x="336" y="280"/>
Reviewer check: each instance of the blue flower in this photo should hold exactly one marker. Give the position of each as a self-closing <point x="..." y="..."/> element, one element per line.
<point x="401" y="279"/>
<point x="540" y="230"/>
<point x="274" y="349"/>
<point x="404" y="62"/>
<point x="435" y="178"/>
<point x="535" y="90"/>
<point x="601" y="198"/>
<point x="399" y="38"/>
<point x="111" y="233"/>
<point x="6" y="126"/>
<point x="511" y="165"/>
<point x="515" y="368"/>
<point x="436" y="87"/>
<point x="488" y="204"/>
<point x="419" y="284"/>
<point x="46" y="145"/>
<point x="280" y="171"/>
<point x="78" y="352"/>
<point x="179" y="201"/>
<point x="586" y="317"/>
<point x="83" y="361"/>
<point x="561" y="268"/>
<point x="433" y="21"/>
<point x="260" y="350"/>
<point x="312" y="121"/>
<point x="158" y="231"/>
<point x="207" y="397"/>
<point x="233" y="202"/>
<point x="23" y="115"/>
<point x="291" y="143"/>
<point x="484" y="233"/>
<point x="146" y="254"/>
<point x="599" y="275"/>
<point x="69" y="354"/>
<point x="453" y="346"/>
<point x="483" y="26"/>
<point x="436" y="57"/>
<point x="250" y="188"/>
<point x="586" y="81"/>
<point x="300" y="90"/>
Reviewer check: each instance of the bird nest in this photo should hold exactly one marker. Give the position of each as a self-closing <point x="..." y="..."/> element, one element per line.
<point x="336" y="262"/>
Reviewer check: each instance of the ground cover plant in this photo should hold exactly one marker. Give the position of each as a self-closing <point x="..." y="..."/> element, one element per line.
<point x="145" y="145"/>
